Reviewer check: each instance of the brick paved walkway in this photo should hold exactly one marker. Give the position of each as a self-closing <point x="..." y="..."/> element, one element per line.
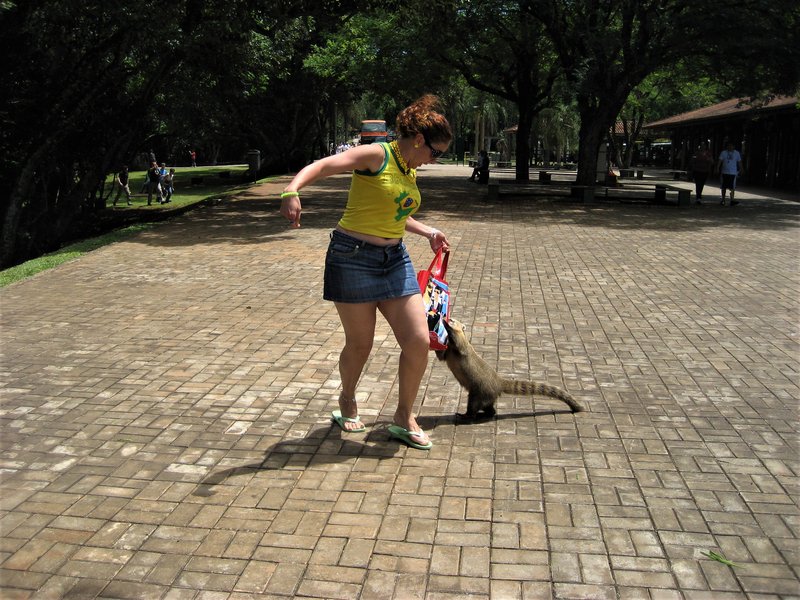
<point x="165" y="407"/>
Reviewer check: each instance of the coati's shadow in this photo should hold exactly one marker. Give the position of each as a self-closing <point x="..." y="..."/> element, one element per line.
<point x="431" y="422"/>
<point x="327" y="445"/>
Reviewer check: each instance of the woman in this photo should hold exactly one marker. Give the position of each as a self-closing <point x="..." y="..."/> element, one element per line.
<point x="701" y="165"/>
<point x="367" y="267"/>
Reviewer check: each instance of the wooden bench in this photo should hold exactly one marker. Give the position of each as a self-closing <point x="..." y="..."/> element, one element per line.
<point x="684" y="196"/>
<point x="677" y="175"/>
<point x="544" y="177"/>
<point x="626" y="172"/>
<point x="503" y="164"/>
<point x="583" y="192"/>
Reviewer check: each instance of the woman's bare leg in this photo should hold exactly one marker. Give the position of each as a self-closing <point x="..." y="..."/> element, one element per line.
<point x="358" y="321"/>
<point x="406" y="317"/>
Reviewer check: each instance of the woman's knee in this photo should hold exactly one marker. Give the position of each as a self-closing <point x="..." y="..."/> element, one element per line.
<point x="416" y="342"/>
<point x="359" y="349"/>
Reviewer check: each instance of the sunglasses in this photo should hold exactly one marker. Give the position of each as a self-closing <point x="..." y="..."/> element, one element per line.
<point x="434" y="152"/>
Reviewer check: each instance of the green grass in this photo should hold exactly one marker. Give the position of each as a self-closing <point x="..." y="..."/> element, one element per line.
<point x="185" y="194"/>
<point x="67" y="253"/>
<point x="719" y="558"/>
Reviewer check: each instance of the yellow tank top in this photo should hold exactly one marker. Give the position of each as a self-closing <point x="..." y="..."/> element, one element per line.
<point x="379" y="203"/>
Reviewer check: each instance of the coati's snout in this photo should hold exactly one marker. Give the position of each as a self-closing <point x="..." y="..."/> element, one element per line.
<point x="453" y="327"/>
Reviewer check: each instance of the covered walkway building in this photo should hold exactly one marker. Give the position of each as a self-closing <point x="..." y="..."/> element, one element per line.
<point x="767" y="134"/>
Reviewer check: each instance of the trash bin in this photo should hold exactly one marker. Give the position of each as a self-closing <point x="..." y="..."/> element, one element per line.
<point x="254" y="162"/>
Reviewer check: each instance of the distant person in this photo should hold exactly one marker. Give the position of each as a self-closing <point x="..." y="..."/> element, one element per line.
<point x="168" y="185"/>
<point x="504" y="150"/>
<point x="154" y="183"/>
<point x="701" y="164"/>
<point x="152" y="157"/>
<point x="729" y="167"/>
<point x="193" y="157"/>
<point x="481" y="170"/>
<point x="121" y="182"/>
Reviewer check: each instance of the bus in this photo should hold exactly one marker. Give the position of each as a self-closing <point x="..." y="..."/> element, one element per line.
<point x="373" y="130"/>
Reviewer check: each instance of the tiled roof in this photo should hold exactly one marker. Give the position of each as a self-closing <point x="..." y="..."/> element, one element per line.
<point x="727" y="108"/>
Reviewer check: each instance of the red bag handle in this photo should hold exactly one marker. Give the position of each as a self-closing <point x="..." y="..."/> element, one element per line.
<point x="438" y="266"/>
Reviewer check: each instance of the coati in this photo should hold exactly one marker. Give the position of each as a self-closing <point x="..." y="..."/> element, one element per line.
<point x="482" y="382"/>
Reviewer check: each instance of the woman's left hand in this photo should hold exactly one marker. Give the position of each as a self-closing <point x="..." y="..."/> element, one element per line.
<point x="438" y="240"/>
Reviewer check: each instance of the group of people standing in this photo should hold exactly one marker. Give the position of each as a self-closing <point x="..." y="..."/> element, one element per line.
<point x="728" y="165"/>
<point x="158" y="180"/>
<point x="161" y="182"/>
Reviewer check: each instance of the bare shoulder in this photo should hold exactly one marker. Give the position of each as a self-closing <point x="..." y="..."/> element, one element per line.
<point x="362" y="158"/>
<point x="371" y="156"/>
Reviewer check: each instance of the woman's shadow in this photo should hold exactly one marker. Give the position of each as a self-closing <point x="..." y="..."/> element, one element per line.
<point x="327" y="445"/>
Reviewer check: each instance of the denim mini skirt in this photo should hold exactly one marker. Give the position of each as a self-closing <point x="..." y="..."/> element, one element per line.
<point x="356" y="271"/>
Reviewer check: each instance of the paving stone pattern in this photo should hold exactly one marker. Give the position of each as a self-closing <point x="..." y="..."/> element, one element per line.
<point x="166" y="399"/>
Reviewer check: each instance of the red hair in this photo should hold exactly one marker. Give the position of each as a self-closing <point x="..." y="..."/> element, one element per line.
<point x="423" y="117"/>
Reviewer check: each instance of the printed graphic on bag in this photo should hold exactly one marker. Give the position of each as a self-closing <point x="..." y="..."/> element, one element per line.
<point x="436" y="299"/>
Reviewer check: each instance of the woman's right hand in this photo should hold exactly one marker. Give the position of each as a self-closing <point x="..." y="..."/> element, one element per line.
<point x="291" y="209"/>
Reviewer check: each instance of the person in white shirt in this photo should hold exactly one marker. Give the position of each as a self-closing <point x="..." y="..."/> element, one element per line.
<point x="730" y="167"/>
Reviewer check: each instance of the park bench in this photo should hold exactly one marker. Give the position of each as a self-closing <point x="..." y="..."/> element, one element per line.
<point x="677" y="175"/>
<point x="630" y="173"/>
<point x="545" y="177"/>
<point x="583" y="192"/>
<point x="503" y="164"/>
<point x="684" y="196"/>
<point x="588" y="193"/>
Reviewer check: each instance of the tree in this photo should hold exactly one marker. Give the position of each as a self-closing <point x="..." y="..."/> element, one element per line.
<point x="369" y="62"/>
<point x="607" y="48"/>
<point x="662" y="93"/>
<point x="499" y="49"/>
<point x="90" y="84"/>
<point x="555" y="127"/>
<point x="84" y="87"/>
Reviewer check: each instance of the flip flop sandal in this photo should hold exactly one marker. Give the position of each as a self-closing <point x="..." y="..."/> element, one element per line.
<point x="406" y="436"/>
<point x="336" y="417"/>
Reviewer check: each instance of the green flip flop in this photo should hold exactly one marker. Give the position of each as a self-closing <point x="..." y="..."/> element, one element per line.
<point x="405" y="436"/>
<point x="336" y="417"/>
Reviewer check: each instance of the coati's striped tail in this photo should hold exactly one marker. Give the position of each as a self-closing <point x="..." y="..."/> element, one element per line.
<point x="536" y="388"/>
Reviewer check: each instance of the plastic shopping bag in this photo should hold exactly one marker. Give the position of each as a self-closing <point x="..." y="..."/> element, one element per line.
<point x="436" y="297"/>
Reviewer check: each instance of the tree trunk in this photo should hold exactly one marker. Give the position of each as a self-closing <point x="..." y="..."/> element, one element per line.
<point x="590" y="136"/>
<point x="598" y="114"/>
<point x="522" y="170"/>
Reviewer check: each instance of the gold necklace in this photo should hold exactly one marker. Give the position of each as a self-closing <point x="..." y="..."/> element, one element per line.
<point x="401" y="161"/>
